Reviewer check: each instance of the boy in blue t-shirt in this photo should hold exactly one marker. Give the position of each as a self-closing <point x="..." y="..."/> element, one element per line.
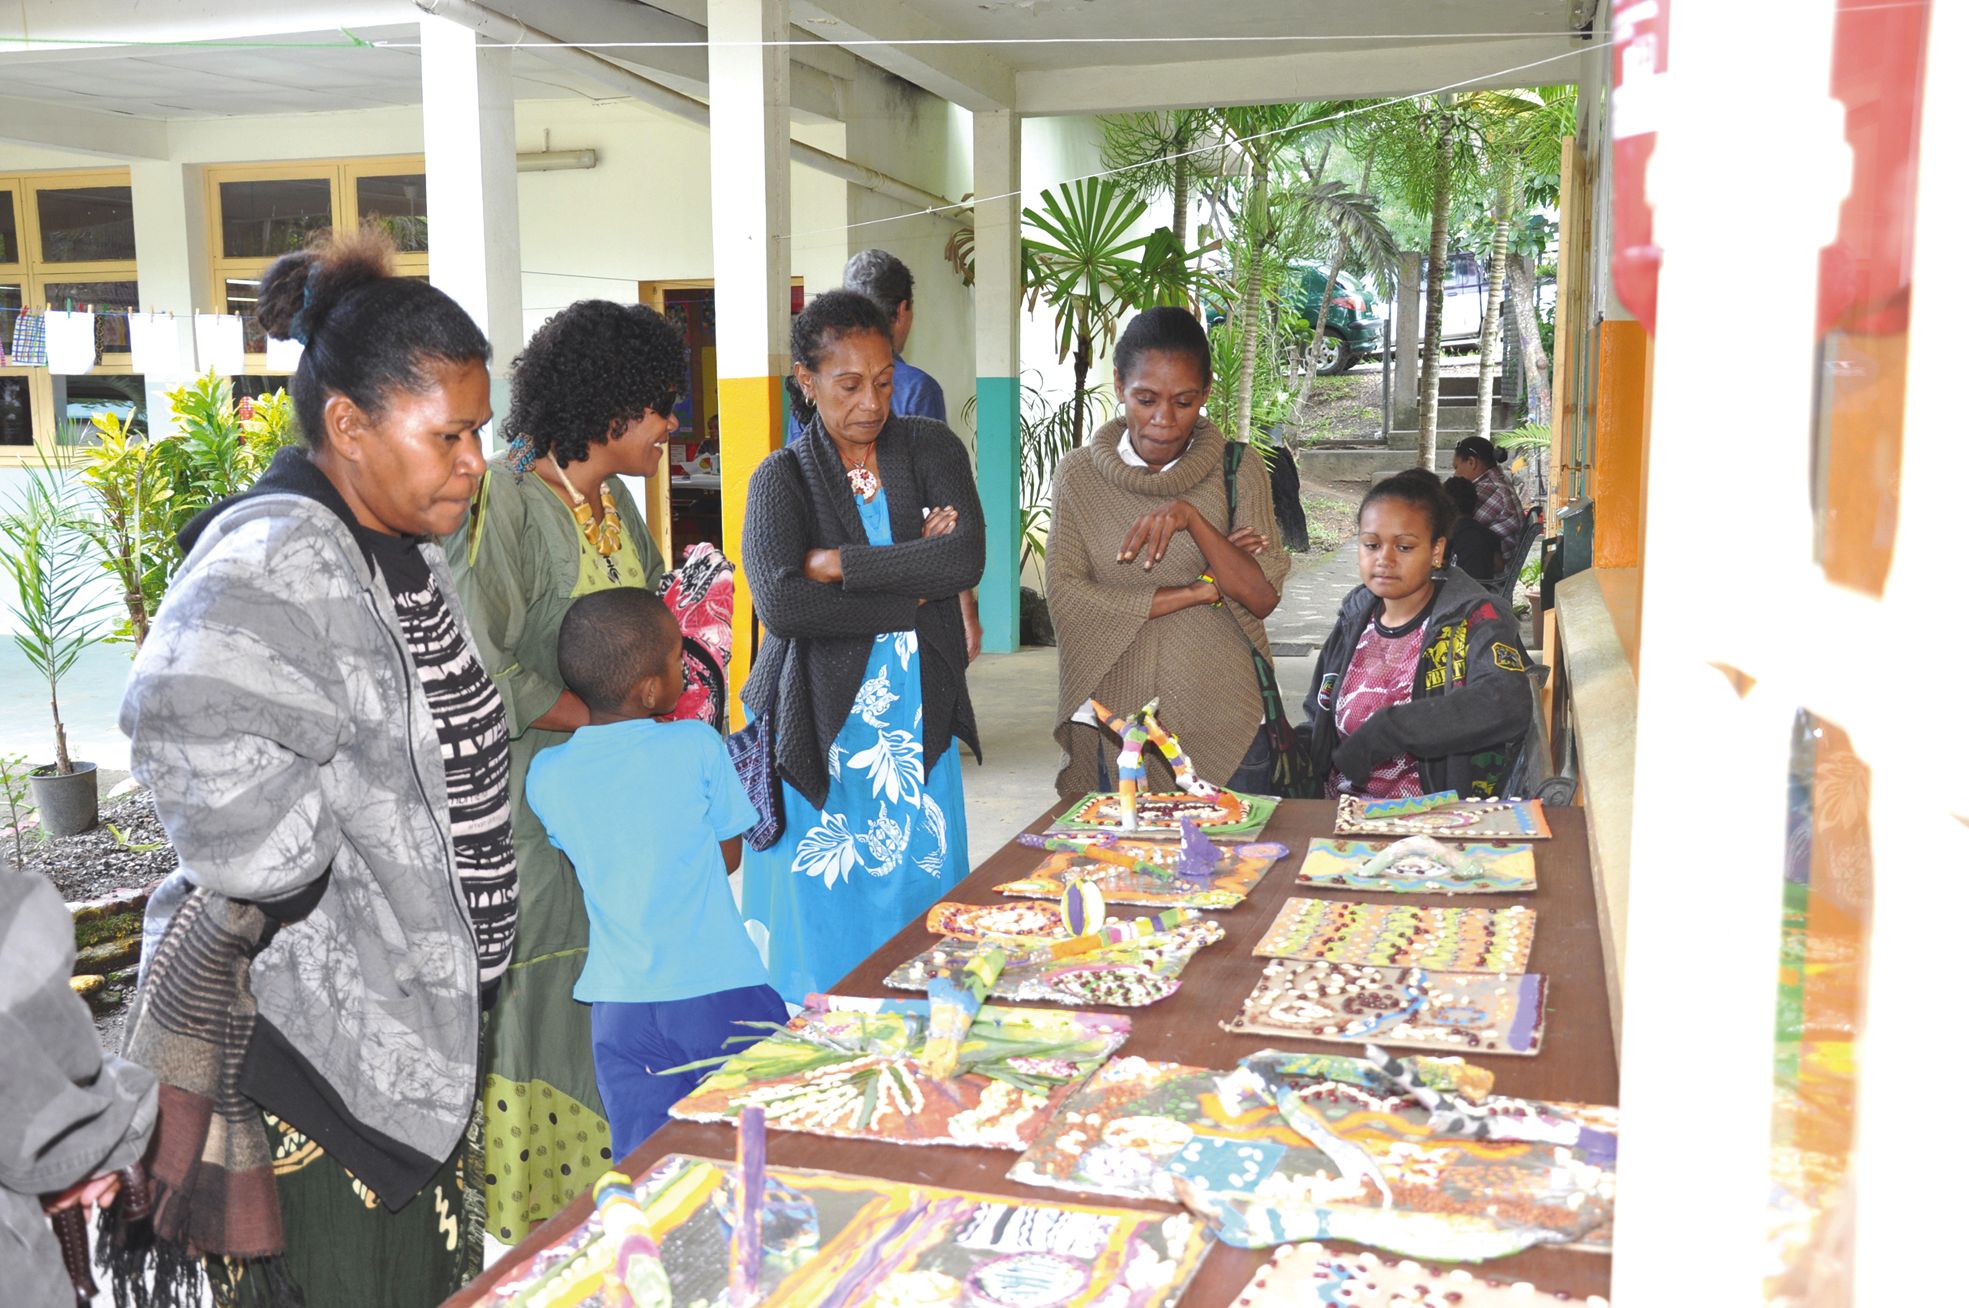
<point x="650" y="813"/>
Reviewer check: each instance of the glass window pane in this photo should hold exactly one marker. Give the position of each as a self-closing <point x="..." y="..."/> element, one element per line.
<point x="10" y="237"/>
<point x="110" y="300"/>
<point x="398" y="205"/>
<point x="86" y="224"/>
<point x="10" y="312"/>
<point x="16" y="414"/>
<point x="78" y="399"/>
<point x="242" y="298"/>
<point x="269" y="218"/>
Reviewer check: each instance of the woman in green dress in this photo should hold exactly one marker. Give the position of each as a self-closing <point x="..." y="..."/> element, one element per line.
<point x="591" y="403"/>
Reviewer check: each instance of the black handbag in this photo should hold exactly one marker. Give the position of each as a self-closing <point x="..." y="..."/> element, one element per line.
<point x="751" y="748"/>
<point x="1292" y="763"/>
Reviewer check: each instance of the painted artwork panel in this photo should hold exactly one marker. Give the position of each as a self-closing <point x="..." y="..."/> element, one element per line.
<point x="1401" y="935"/>
<point x="849" y="1067"/>
<point x="1490" y="820"/>
<point x="1130" y="974"/>
<point x="1341" y="865"/>
<point x="1243" y="867"/>
<point x="1142" y="1129"/>
<point x="1409" y="1008"/>
<point x="1304" y="1274"/>
<point x="1232" y="814"/>
<point x="832" y="1241"/>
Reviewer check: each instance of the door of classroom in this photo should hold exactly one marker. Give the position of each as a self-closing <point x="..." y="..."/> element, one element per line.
<point x="685" y="507"/>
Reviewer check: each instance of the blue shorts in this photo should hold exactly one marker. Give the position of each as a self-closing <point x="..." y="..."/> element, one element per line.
<point x="635" y="1043"/>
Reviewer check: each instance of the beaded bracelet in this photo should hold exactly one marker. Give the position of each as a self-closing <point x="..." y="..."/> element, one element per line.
<point x="1217" y="603"/>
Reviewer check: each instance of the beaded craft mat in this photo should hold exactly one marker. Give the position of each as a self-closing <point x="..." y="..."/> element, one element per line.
<point x="1465" y="1012"/>
<point x="846" y="1067"/>
<point x="1466" y="819"/>
<point x="1158" y="813"/>
<point x="830" y="1240"/>
<point x="1306" y="1274"/>
<point x="1144" y="1129"/>
<point x="1243" y="867"/>
<point x="1339" y="864"/>
<point x="1401" y="935"/>
<point x="976" y="921"/>
<point x="1126" y="975"/>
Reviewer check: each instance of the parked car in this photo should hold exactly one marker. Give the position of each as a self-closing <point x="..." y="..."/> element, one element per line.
<point x="1352" y="329"/>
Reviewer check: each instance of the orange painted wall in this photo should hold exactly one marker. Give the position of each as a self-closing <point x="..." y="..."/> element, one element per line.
<point x="1620" y="466"/>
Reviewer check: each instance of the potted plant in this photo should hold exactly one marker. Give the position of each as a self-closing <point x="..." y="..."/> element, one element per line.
<point x="55" y="620"/>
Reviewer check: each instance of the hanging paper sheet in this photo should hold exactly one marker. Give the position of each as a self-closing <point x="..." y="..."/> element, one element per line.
<point x="29" y="348"/>
<point x="851" y="1068"/>
<point x="1125" y="975"/>
<point x="1401" y="935"/>
<point x="283" y="355"/>
<point x="831" y="1241"/>
<point x="154" y="344"/>
<point x="221" y="342"/>
<point x="1419" y="865"/>
<point x="1301" y="1275"/>
<point x="1151" y="1130"/>
<point x="1228" y="815"/>
<point x="1466" y="819"/>
<point x="71" y="348"/>
<point x="1467" y="1012"/>
<point x="1243" y="866"/>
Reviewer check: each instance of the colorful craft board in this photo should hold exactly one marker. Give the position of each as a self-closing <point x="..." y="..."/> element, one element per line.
<point x="1144" y="1129"/>
<point x="978" y="921"/>
<point x="850" y="1068"/>
<point x="1126" y="975"/>
<point x="1300" y="1275"/>
<point x="831" y="1241"/>
<point x="1466" y="1012"/>
<point x="1341" y="864"/>
<point x="1243" y="867"/>
<point x="1230" y="815"/>
<point x="1402" y="935"/>
<point x="1468" y="819"/>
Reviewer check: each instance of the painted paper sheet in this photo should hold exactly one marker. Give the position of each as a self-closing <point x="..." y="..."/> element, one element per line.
<point x="1301" y="1275"/>
<point x="1464" y="1012"/>
<point x="1243" y="866"/>
<point x="1144" y="1129"/>
<point x="1125" y="975"/>
<point x="849" y="1067"/>
<point x="1402" y="935"/>
<point x="1159" y="812"/>
<point x="832" y="1241"/>
<point x="1341" y="865"/>
<point x="975" y="921"/>
<point x="1467" y="819"/>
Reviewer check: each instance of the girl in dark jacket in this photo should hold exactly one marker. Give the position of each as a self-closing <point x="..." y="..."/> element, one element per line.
<point x="1421" y="687"/>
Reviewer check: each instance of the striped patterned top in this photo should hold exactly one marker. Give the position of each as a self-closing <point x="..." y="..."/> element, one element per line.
<point x="472" y="733"/>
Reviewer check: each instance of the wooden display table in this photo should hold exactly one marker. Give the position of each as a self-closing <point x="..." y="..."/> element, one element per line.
<point x="1576" y="1063"/>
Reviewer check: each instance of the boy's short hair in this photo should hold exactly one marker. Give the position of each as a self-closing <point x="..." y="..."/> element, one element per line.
<point x="612" y="639"/>
<point x="1462" y="494"/>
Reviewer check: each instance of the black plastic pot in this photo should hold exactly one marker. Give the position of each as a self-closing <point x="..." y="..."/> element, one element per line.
<point x="66" y="805"/>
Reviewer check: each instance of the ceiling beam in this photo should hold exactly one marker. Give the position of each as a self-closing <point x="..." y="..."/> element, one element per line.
<point x="964" y="75"/>
<point x="1399" y="68"/>
<point x="84" y="131"/>
<point x="186" y="20"/>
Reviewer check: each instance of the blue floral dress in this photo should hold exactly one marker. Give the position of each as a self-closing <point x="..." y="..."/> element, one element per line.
<point x="885" y="846"/>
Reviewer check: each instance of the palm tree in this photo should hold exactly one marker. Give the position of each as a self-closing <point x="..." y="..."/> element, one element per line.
<point x="1528" y="130"/>
<point x="1161" y="153"/>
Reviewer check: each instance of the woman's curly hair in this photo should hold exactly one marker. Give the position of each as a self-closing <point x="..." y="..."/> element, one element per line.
<point x="590" y="371"/>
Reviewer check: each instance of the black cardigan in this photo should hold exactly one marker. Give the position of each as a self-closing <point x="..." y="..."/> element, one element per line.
<point x="818" y="636"/>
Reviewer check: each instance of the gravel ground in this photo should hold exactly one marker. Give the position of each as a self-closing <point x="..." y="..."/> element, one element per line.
<point x="96" y="863"/>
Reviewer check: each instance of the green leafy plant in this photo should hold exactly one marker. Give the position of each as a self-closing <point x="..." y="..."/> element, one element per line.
<point x="1045" y="435"/>
<point x="13" y="791"/>
<point x="54" y="616"/>
<point x="123" y="841"/>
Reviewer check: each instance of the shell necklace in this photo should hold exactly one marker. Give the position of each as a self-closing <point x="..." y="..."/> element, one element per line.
<point x="606" y="535"/>
<point x="860" y="480"/>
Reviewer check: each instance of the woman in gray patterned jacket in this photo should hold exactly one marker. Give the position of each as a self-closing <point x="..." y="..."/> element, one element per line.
<point x="330" y="761"/>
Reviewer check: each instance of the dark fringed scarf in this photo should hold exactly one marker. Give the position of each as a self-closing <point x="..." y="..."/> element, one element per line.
<point x="214" y="1216"/>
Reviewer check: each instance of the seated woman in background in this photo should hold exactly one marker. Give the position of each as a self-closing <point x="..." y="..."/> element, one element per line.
<point x="1497" y="504"/>
<point x="1154" y="589"/>
<point x="1421" y="687"/>
<point x="1472" y="547"/>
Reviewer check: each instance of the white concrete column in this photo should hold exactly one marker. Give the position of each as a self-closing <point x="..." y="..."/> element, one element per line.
<point x="174" y="267"/>
<point x="1408" y="344"/>
<point x="750" y="216"/>
<point x="995" y="152"/>
<point x="472" y="180"/>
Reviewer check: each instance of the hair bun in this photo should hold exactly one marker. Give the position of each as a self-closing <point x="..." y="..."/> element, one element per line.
<point x="298" y="290"/>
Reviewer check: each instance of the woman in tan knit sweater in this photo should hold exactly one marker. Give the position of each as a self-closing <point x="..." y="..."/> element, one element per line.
<point x="1154" y="591"/>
